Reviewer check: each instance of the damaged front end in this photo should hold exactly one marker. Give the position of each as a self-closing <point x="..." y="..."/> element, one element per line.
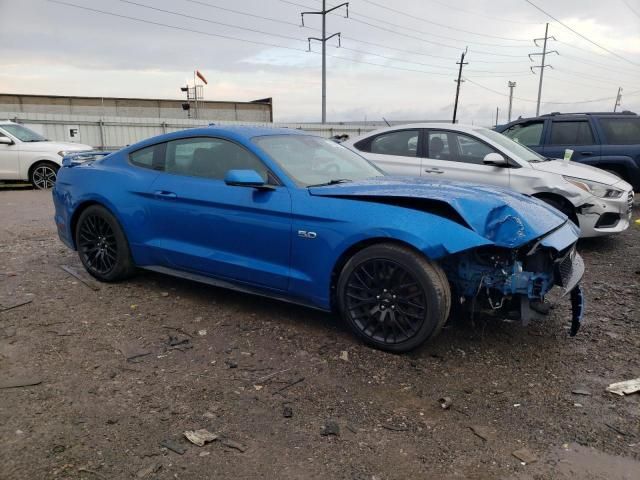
<point x="505" y="280"/>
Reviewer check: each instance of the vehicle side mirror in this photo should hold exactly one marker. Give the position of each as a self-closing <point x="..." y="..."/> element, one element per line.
<point x="495" y="159"/>
<point x="5" y="141"/>
<point x="246" y="178"/>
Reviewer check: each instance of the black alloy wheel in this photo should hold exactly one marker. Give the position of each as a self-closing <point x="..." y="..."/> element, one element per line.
<point x="102" y="246"/>
<point x="393" y="298"/>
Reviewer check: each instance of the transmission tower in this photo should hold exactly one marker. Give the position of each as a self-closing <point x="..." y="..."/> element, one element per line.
<point x="543" y="63"/>
<point x="323" y="40"/>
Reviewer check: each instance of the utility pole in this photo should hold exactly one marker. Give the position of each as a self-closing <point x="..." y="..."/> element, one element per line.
<point x="323" y="40"/>
<point x="542" y="65"/>
<point x="497" y="111"/>
<point x="618" y="99"/>
<point x="458" y="81"/>
<point x="511" y="87"/>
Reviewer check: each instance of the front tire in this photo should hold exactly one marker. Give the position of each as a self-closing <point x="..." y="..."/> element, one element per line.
<point x="564" y="206"/>
<point x="393" y="298"/>
<point x="102" y="245"/>
<point x="43" y="175"/>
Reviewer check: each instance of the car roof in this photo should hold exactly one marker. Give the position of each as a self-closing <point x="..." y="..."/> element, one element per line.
<point x="7" y="122"/>
<point x="232" y="132"/>
<point x="458" y="127"/>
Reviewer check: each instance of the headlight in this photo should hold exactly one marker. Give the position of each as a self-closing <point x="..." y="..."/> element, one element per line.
<point x="598" y="189"/>
<point x="63" y="153"/>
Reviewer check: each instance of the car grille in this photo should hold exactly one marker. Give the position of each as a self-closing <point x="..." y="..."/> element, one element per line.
<point x="630" y="202"/>
<point x="569" y="270"/>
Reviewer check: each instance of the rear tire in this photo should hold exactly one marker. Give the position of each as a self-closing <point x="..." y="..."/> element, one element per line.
<point x="43" y="175"/>
<point x="393" y="298"/>
<point x="102" y="245"/>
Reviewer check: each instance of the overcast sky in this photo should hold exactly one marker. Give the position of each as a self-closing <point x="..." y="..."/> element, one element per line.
<point x="393" y="64"/>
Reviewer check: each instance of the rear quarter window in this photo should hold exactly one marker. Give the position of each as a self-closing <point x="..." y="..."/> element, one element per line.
<point x="149" y="157"/>
<point x="621" y="131"/>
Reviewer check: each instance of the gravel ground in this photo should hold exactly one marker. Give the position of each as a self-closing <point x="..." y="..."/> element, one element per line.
<point x="288" y="391"/>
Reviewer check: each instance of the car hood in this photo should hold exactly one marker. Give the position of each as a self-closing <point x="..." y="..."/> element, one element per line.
<point x="54" y="146"/>
<point x="577" y="170"/>
<point x="506" y="218"/>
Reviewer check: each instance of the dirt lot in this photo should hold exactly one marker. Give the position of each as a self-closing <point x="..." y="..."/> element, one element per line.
<point x="266" y="377"/>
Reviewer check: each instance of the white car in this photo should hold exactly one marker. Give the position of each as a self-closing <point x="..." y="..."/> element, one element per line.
<point x="598" y="201"/>
<point x="27" y="156"/>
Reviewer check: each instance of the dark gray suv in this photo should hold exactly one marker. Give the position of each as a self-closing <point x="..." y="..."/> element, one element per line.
<point x="610" y="141"/>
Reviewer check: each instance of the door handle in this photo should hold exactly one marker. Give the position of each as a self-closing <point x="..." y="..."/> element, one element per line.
<point x="165" y="194"/>
<point x="585" y="153"/>
<point x="433" y="170"/>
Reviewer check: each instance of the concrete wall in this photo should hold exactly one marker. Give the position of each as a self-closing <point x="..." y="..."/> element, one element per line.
<point x="134" y="107"/>
<point x="116" y="132"/>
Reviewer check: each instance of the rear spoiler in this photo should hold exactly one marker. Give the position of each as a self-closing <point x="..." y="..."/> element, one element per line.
<point x="79" y="158"/>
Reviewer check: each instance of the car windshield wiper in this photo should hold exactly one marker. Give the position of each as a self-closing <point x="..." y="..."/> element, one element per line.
<point x="334" y="181"/>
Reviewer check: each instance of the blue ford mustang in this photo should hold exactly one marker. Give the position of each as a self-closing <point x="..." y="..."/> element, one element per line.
<point x="292" y="216"/>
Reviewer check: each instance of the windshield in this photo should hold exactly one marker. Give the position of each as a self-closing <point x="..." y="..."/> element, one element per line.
<point x="519" y="150"/>
<point x="22" y="133"/>
<point x="313" y="161"/>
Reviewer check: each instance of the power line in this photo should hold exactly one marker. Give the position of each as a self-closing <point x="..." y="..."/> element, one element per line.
<point x="631" y="8"/>
<point x="595" y="100"/>
<point x="229" y="37"/>
<point x="499" y="19"/>
<point x="170" y="12"/>
<point x="449" y="27"/>
<point x="581" y="35"/>
<point x="358" y="19"/>
<point x="287" y="37"/>
<point x="353" y="39"/>
<point x="246" y="14"/>
<point x="443" y="45"/>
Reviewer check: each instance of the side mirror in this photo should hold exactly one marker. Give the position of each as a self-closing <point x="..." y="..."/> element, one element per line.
<point x="246" y="178"/>
<point x="495" y="159"/>
<point x="5" y="141"/>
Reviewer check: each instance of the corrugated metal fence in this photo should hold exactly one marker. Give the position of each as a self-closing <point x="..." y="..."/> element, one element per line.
<point x="115" y="132"/>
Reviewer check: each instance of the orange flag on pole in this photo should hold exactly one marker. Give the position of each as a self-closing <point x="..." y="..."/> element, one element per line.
<point x="201" y="77"/>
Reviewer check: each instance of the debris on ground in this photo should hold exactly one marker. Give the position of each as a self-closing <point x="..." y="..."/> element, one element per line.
<point x="164" y="294"/>
<point x="131" y="351"/>
<point x="145" y="472"/>
<point x="482" y="432"/>
<point x="287" y="411"/>
<point x="330" y="427"/>
<point x="173" y="445"/>
<point x="581" y="391"/>
<point x="202" y="332"/>
<point x="227" y="442"/>
<point x="395" y="428"/>
<point x="179" y="342"/>
<point x="231" y="363"/>
<point x="625" y="388"/>
<point x="200" y="437"/>
<point x="524" y="455"/>
<point x="16" y="305"/>
<point x="445" y="402"/>
<point x="344" y="355"/>
<point x="289" y="385"/>
<point x="93" y="285"/>
<point x="19" y="382"/>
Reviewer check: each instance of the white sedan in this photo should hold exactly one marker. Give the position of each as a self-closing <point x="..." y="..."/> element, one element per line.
<point x="27" y="156"/>
<point x="598" y="201"/>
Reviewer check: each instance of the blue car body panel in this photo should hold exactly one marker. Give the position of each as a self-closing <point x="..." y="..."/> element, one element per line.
<point x="257" y="237"/>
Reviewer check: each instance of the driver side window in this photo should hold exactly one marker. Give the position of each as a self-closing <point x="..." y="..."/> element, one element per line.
<point x="471" y="150"/>
<point x="210" y="158"/>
